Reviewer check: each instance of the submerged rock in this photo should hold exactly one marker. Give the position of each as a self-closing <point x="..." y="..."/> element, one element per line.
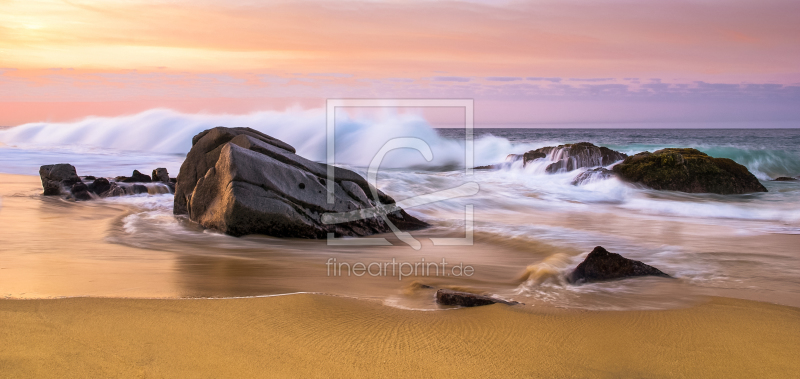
<point x="784" y="179"/>
<point x="113" y="190"/>
<point x="466" y="299"/>
<point x="241" y="181"/>
<point x="602" y="265"/>
<point x="594" y="174"/>
<point x="80" y="191"/>
<point x="571" y="156"/>
<point x="100" y="185"/>
<point x="58" y="177"/>
<point x="688" y="170"/>
<point x="139" y="188"/>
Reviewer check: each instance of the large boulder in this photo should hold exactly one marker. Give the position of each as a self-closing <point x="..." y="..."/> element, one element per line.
<point x="571" y="156"/>
<point x="240" y="181"/>
<point x="465" y="299"/>
<point x="56" y="178"/>
<point x="601" y="265"/>
<point x="688" y="170"/>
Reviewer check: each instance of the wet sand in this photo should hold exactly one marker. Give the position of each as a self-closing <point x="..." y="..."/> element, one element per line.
<point x="308" y="335"/>
<point x="52" y="248"/>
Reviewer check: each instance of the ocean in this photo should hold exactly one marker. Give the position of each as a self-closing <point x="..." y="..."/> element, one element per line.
<point x="531" y="228"/>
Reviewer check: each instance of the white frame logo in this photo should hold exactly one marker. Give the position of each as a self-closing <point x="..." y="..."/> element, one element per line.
<point x="380" y="210"/>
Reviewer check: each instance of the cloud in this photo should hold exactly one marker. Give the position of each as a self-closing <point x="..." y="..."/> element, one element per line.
<point x="503" y="78"/>
<point x="450" y="79"/>
<point x="590" y="79"/>
<point x="554" y="80"/>
<point x="331" y="74"/>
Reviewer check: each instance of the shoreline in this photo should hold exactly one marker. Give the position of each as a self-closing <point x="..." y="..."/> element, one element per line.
<point x="308" y="334"/>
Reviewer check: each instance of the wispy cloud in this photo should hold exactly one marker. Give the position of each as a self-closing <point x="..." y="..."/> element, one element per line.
<point x="450" y="79"/>
<point x="503" y="78"/>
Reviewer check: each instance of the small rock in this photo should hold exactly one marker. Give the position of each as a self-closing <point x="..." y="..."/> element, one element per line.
<point x="138" y="188"/>
<point x="100" y="185"/>
<point x="80" y="191"/>
<point x="137" y="177"/>
<point x="114" y="190"/>
<point x="466" y="299"/>
<point x="160" y="175"/>
<point x="784" y="179"/>
<point x="89" y="177"/>
<point x="57" y="177"/>
<point x="602" y="265"/>
<point x="594" y="174"/>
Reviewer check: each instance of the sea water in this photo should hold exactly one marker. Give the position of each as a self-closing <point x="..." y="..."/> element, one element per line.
<point x="530" y="227"/>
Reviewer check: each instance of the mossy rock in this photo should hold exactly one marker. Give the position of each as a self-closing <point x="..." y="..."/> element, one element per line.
<point x="688" y="170"/>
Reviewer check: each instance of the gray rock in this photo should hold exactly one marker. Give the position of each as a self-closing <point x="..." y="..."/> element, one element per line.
<point x="240" y="181"/>
<point x="160" y="175"/>
<point x="601" y="265"/>
<point x="466" y="299"/>
<point x="57" y="178"/>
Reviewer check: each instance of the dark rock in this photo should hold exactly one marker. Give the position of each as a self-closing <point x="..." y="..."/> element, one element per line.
<point x="173" y="180"/>
<point x="577" y="155"/>
<point x="241" y="181"/>
<point x="533" y="154"/>
<point x="602" y="265"/>
<point x="57" y="177"/>
<point x="784" y="179"/>
<point x="688" y="170"/>
<point x="138" y="188"/>
<point x="598" y="173"/>
<point x="121" y="179"/>
<point x="136" y="177"/>
<point x="466" y="299"/>
<point x="80" y="191"/>
<point x="489" y="167"/>
<point x="570" y="157"/>
<point x="160" y="175"/>
<point x="100" y="185"/>
<point x="89" y="177"/>
<point x="114" y="190"/>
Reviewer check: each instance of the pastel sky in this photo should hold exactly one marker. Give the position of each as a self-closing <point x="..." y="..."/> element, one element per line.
<point x="522" y="61"/>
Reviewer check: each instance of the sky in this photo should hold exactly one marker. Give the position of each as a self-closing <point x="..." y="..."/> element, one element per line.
<point x="524" y="62"/>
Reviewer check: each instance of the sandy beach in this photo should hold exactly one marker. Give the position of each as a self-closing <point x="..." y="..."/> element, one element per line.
<point x="119" y="332"/>
<point x="309" y="335"/>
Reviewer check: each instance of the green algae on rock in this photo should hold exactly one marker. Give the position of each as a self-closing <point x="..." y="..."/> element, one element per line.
<point x="688" y="170"/>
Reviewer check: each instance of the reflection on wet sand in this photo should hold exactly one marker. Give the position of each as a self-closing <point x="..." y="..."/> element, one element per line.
<point x="135" y="247"/>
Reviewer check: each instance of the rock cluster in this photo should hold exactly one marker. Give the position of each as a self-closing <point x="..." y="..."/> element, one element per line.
<point x="240" y="181"/>
<point x="688" y="170"/>
<point x="62" y="180"/>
